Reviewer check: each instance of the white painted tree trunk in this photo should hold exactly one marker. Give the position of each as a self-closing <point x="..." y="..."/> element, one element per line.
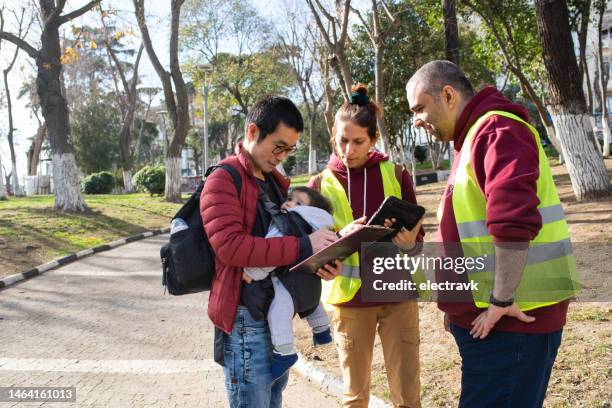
<point x="127" y="181"/>
<point x="67" y="189"/>
<point x="3" y="194"/>
<point x="173" y="179"/>
<point x="606" y="136"/>
<point x="17" y="192"/>
<point x="312" y="154"/>
<point x="312" y="159"/>
<point x="586" y="169"/>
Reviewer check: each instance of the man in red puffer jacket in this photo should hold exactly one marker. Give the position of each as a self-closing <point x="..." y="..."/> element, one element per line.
<point x="236" y="227"/>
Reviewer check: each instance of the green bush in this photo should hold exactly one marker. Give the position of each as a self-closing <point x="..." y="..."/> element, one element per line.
<point x="420" y="153"/>
<point x="289" y="164"/>
<point x="151" y="179"/>
<point x="98" y="183"/>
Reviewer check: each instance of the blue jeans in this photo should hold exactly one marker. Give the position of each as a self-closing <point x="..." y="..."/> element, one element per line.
<point x="248" y="360"/>
<point x="505" y="370"/>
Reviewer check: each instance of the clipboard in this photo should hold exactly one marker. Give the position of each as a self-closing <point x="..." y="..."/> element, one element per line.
<point x="343" y="247"/>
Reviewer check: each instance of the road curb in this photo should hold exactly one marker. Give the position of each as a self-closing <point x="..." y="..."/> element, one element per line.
<point x="18" y="277"/>
<point x="329" y="382"/>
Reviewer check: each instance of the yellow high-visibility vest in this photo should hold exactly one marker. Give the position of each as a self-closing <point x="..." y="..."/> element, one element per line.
<point x="344" y="286"/>
<point x="550" y="274"/>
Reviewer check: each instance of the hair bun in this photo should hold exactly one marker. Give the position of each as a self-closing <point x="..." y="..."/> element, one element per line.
<point x="359" y="95"/>
<point x="359" y="88"/>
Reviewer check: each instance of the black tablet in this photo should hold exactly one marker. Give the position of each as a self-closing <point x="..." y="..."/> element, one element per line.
<point x="406" y="214"/>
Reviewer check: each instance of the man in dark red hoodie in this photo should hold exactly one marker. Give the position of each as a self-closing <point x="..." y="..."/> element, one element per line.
<point x="507" y="355"/>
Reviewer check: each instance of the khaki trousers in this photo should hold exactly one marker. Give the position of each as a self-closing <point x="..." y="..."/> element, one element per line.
<point x="398" y="328"/>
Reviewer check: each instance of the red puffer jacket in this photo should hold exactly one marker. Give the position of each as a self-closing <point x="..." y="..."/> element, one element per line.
<point x="228" y="222"/>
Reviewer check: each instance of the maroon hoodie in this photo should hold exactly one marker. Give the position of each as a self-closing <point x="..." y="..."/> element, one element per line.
<point x="372" y="196"/>
<point x="504" y="159"/>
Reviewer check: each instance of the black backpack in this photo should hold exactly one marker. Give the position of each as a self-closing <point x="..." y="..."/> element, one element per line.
<point x="188" y="261"/>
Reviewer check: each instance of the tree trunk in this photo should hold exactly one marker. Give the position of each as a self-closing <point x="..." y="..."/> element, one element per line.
<point x="328" y="113"/>
<point x="606" y="135"/>
<point x="127" y="181"/>
<point x="451" y="39"/>
<point x="451" y="31"/>
<point x="35" y="149"/>
<point x="55" y="111"/>
<point x="380" y="97"/>
<point x="603" y="82"/>
<point x="3" y="192"/>
<point x="173" y="178"/>
<point x="567" y="105"/>
<point x="312" y="164"/>
<point x="14" y="178"/>
<point x="178" y="109"/>
<point x="124" y="143"/>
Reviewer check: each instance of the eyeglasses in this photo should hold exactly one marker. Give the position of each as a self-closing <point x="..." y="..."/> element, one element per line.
<point x="283" y="149"/>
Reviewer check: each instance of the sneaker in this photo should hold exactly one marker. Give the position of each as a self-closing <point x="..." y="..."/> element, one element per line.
<point x="281" y="363"/>
<point x="324" y="337"/>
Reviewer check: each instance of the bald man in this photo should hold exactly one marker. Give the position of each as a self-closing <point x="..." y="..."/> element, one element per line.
<point x="495" y="195"/>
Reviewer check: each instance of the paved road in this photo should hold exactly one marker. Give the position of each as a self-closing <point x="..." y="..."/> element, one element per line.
<point x="103" y="325"/>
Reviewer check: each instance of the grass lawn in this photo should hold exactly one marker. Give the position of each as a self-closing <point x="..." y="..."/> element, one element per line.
<point x="300" y="180"/>
<point x="32" y="233"/>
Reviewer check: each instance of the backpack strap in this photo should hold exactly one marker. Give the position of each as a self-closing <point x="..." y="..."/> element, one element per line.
<point x="230" y="169"/>
<point x="235" y="176"/>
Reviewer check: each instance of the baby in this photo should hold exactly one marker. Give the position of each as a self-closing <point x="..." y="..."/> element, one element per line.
<point x="315" y="210"/>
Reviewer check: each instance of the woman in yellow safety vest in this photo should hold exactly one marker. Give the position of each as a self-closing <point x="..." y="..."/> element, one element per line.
<point x="356" y="181"/>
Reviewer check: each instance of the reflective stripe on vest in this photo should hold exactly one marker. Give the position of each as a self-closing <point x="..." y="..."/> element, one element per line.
<point x="550" y="274"/>
<point x="343" y="287"/>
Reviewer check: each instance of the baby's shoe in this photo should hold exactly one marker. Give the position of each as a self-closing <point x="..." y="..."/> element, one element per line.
<point x="281" y="363"/>
<point x="324" y="337"/>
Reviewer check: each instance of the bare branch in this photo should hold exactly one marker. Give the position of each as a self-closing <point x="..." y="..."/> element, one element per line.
<point x="386" y="8"/>
<point x="78" y="12"/>
<point x="345" y="15"/>
<point x="324" y="11"/>
<point x="320" y="24"/>
<point x="21" y="34"/>
<point x="19" y="42"/>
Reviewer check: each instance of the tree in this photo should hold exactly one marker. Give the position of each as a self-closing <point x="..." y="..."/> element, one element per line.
<point x="378" y="32"/>
<point x="150" y="93"/>
<point x="28" y="90"/>
<point x="580" y="14"/>
<point x="48" y="60"/>
<point x="300" y="56"/>
<point x="22" y="32"/>
<point x="177" y="101"/>
<point x="405" y="52"/>
<point x="3" y="192"/>
<point x="126" y="99"/>
<point x="96" y="126"/>
<point x="512" y="32"/>
<point x="567" y="105"/>
<point x="335" y="33"/>
<point x="604" y="70"/>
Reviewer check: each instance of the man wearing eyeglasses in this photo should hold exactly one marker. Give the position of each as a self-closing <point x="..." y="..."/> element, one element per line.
<point x="236" y="226"/>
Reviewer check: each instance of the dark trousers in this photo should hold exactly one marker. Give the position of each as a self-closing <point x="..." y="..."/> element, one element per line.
<point x="505" y="370"/>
